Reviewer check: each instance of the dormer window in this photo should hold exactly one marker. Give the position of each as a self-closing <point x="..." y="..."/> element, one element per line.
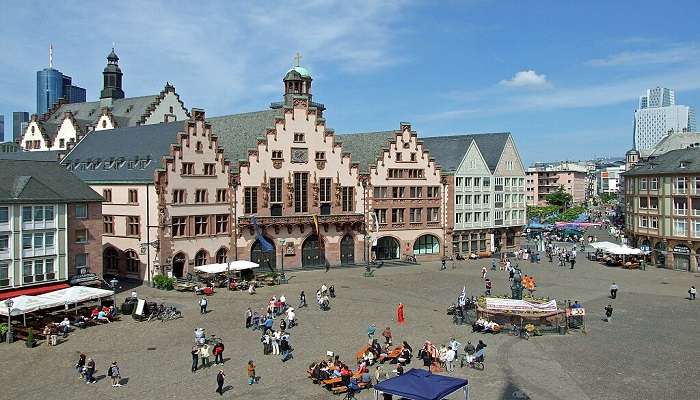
<point x="683" y="164"/>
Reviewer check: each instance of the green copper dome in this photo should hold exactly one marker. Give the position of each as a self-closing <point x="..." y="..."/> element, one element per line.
<point x="301" y="71"/>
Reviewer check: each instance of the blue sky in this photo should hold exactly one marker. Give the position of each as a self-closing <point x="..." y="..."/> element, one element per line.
<point x="563" y="77"/>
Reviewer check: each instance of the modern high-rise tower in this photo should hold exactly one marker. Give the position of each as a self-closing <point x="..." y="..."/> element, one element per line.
<point x="52" y="85"/>
<point x="19" y="123"/>
<point x="657" y="115"/>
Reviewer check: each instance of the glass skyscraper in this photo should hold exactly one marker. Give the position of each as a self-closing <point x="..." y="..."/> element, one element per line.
<point x="19" y="124"/>
<point x="51" y="85"/>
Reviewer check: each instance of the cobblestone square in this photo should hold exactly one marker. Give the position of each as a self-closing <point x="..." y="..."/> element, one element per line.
<point x="648" y="351"/>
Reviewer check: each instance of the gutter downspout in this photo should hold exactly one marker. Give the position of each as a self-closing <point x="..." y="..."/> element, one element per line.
<point x="148" y="233"/>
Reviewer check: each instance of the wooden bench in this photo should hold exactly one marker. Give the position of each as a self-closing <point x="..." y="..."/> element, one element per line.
<point x="361" y="354"/>
<point x="393" y="355"/>
<point x="339" y="389"/>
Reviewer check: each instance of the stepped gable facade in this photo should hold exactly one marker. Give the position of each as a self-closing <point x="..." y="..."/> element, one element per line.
<point x="63" y="125"/>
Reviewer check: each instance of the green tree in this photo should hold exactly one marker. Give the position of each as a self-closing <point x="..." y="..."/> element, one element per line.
<point x="560" y="198"/>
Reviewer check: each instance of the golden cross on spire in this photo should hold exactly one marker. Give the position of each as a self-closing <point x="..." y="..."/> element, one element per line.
<point x="298" y="59"/>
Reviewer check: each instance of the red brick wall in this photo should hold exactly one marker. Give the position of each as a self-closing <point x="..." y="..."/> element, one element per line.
<point x="95" y="226"/>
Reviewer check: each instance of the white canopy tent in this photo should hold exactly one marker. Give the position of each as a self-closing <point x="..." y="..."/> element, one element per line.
<point x="624" y="251"/>
<point x="26" y="304"/>
<point x="239" y="265"/>
<point x="604" y="245"/>
<point x="76" y="294"/>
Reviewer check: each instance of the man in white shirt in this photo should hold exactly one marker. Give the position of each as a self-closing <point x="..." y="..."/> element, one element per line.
<point x="450" y="358"/>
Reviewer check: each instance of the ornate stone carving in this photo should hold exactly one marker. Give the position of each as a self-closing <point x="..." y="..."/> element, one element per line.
<point x="321" y="164"/>
<point x="300" y="103"/>
<point x="290" y="191"/>
<point x="314" y="191"/>
<point x="277" y="164"/>
<point x="265" y="194"/>
<point x="337" y="189"/>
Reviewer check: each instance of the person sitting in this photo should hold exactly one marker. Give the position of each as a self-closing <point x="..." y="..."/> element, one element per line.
<point x="362" y="367"/>
<point x="399" y="370"/>
<point x="353" y="386"/>
<point x="102" y="317"/>
<point x="369" y="357"/>
<point x="366" y="379"/>
<point x="80" y="321"/>
<point x="111" y="312"/>
<point x="64" y="326"/>
<point x="375" y="347"/>
<point x="405" y="356"/>
<point x="94" y="312"/>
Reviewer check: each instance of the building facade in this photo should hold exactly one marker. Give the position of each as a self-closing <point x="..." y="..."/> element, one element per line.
<point x="608" y="178"/>
<point x="64" y="124"/>
<point x="20" y="120"/>
<point x="662" y="208"/>
<point x="52" y="85"/>
<point x="658" y="115"/>
<point x="50" y="227"/>
<point x="542" y="180"/>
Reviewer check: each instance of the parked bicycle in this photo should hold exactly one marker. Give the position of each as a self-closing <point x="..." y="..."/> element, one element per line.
<point x="410" y="258"/>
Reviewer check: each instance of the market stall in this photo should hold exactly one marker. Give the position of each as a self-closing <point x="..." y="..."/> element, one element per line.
<point x="418" y="384"/>
<point x="542" y="314"/>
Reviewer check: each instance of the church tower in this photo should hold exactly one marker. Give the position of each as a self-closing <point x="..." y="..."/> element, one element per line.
<point x="112" y="75"/>
<point x="297" y="82"/>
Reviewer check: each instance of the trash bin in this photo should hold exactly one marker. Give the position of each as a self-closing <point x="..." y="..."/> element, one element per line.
<point x="562" y="330"/>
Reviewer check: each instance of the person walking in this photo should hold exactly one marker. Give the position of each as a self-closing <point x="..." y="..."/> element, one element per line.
<point x="203" y="302"/>
<point x="251" y="372"/>
<point x="285" y="348"/>
<point x="302" y="299"/>
<point x="608" y="313"/>
<point x="444" y="261"/>
<point x="220" y="382"/>
<point x="114" y="374"/>
<point x="248" y="317"/>
<point x="483" y="272"/>
<point x="613" y="290"/>
<point x="692" y="292"/>
<point x="400" y="314"/>
<point x="204" y="352"/>
<point x="195" y="358"/>
<point x="89" y="371"/>
<point x="276" y="337"/>
<point x="219" y="353"/>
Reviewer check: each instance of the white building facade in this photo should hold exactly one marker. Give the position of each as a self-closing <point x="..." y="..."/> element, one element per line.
<point x="657" y="115"/>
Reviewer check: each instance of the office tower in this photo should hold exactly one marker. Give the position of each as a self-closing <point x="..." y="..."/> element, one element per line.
<point x="658" y="114"/>
<point x="19" y="123"/>
<point x="52" y="85"/>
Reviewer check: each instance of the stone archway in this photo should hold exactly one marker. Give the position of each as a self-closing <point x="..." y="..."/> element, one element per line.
<point x="312" y="252"/>
<point x="179" y="261"/>
<point x="347" y="250"/>
<point x="266" y="259"/>
<point x="388" y="248"/>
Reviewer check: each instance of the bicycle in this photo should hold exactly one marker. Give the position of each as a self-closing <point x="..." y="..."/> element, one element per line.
<point x="410" y="258"/>
<point x="520" y="332"/>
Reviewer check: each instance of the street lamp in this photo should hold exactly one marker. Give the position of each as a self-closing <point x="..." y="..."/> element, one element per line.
<point x="283" y="278"/>
<point x="368" y="273"/>
<point x="9" y="303"/>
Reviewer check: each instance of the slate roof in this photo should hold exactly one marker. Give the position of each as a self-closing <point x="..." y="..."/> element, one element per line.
<point x="673" y="141"/>
<point x="365" y="148"/>
<point x="238" y="133"/>
<point x="30" y="181"/>
<point x="31" y="155"/>
<point x="127" y="111"/>
<point x="129" y="154"/>
<point x="669" y="163"/>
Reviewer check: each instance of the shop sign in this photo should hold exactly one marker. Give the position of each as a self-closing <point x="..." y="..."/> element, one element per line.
<point x="82" y="279"/>
<point x="680" y="249"/>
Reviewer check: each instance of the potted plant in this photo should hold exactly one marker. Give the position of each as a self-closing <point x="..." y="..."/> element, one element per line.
<point x="30" y="338"/>
<point x="3" y="332"/>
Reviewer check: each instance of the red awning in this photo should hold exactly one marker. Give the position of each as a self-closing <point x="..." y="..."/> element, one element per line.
<point x="32" y="290"/>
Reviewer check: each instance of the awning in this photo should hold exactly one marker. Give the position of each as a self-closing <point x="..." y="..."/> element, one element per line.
<point x="223" y="267"/>
<point x="417" y="384"/>
<point x="32" y="290"/>
<point x="76" y="294"/>
<point x="25" y="304"/>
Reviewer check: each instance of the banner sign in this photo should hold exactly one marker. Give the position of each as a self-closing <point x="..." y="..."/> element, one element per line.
<point x="82" y="278"/>
<point x="519" y="305"/>
<point x="575" y="312"/>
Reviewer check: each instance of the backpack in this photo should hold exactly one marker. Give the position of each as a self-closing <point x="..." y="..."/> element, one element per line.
<point x="109" y="372"/>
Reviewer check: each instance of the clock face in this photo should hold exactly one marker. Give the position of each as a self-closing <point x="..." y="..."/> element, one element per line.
<point x="300" y="155"/>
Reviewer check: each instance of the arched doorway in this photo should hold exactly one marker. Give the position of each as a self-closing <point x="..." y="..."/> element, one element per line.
<point x="347" y="250"/>
<point x="426" y="244"/>
<point x="681" y="257"/>
<point x="110" y="261"/>
<point x="201" y="258"/>
<point x="388" y="248"/>
<point x="266" y="259"/>
<point x="312" y="254"/>
<point x="221" y="255"/>
<point x="179" y="265"/>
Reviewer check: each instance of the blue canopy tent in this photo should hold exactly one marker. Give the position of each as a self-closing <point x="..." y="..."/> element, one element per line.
<point x="418" y="384"/>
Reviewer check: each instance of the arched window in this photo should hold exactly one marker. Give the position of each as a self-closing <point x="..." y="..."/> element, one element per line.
<point x="426" y="244"/>
<point x="110" y="259"/>
<point x="221" y="256"/>
<point x="200" y="258"/>
<point x="132" y="262"/>
<point x="104" y="124"/>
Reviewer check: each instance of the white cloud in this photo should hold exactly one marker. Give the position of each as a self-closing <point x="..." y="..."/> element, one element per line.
<point x="673" y="55"/>
<point x="528" y="78"/>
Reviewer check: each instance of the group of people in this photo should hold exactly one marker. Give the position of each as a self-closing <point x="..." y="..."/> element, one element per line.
<point x="86" y="368"/>
<point x="562" y="254"/>
<point x="486" y="326"/>
<point x="203" y="351"/>
<point x="323" y="296"/>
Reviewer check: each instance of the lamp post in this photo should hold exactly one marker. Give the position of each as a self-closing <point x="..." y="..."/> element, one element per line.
<point x="283" y="279"/>
<point x="113" y="283"/>
<point x="368" y="272"/>
<point x="9" y="303"/>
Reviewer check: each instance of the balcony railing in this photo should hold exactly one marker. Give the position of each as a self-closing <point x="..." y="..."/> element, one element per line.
<point x="680" y="211"/>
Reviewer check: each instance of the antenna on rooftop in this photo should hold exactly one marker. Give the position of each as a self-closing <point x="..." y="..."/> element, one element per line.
<point x="50" y="55"/>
